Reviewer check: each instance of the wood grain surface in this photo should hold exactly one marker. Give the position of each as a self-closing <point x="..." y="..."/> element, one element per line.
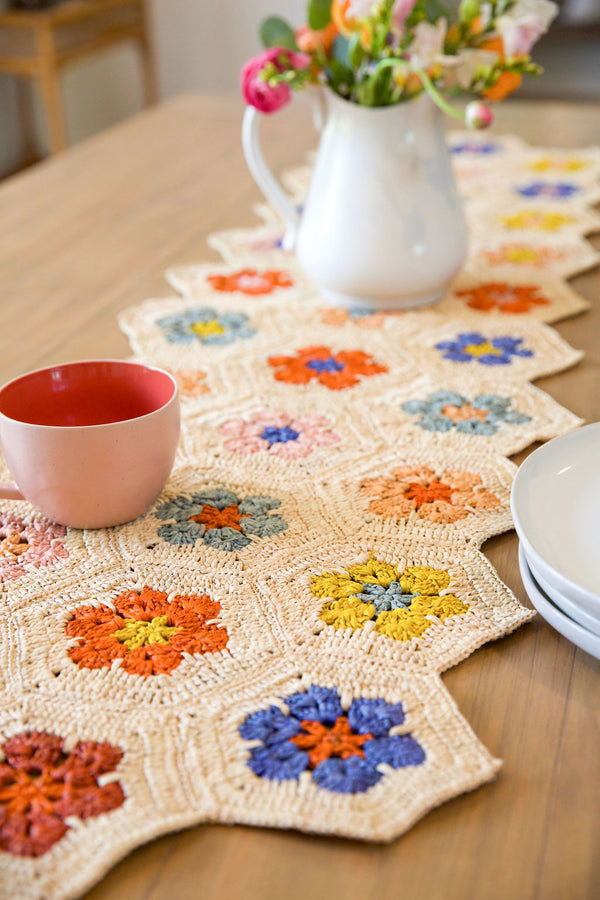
<point x="90" y="232"/>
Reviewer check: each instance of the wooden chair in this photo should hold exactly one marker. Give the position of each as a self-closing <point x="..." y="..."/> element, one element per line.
<point x="37" y="44"/>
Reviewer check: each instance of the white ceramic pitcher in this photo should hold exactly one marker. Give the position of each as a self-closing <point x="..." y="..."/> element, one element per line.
<point x="383" y="225"/>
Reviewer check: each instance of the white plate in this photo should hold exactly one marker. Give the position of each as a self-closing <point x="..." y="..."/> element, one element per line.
<point x="573" y="632"/>
<point x="568" y="606"/>
<point x="555" y="503"/>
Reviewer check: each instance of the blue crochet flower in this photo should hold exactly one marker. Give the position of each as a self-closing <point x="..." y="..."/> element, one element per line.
<point x="204" y="324"/>
<point x="219" y="518"/>
<point x="553" y="190"/>
<point x="471" y="345"/>
<point x="343" y="752"/>
<point x="476" y="149"/>
<point x="447" y="411"/>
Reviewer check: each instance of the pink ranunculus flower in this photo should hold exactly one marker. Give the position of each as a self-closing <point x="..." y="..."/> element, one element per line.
<point x="523" y="24"/>
<point x="257" y="92"/>
<point x="478" y="115"/>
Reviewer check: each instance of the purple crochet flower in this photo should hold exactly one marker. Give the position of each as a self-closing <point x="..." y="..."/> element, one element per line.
<point x="469" y="346"/>
<point x="342" y="751"/>
<point x="475" y="148"/>
<point x="553" y="190"/>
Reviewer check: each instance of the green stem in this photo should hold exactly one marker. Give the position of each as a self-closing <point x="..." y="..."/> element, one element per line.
<point x="437" y="99"/>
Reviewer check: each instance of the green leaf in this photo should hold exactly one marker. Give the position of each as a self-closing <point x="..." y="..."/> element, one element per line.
<point x="355" y="52"/>
<point x="435" y="10"/>
<point x="275" y="32"/>
<point x="319" y="14"/>
<point x="341" y="51"/>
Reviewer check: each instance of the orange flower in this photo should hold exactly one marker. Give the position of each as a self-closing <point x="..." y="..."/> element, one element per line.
<point x="347" y="25"/>
<point x="506" y="298"/>
<point x="336" y="372"/>
<point x="146" y="631"/>
<point x="250" y="281"/>
<point x="309" y="41"/>
<point x="508" y="81"/>
<point x="506" y="84"/>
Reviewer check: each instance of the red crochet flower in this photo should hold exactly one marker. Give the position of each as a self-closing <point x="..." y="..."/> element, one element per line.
<point x="506" y="298"/>
<point x="41" y="785"/>
<point x="335" y="371"/>
<point x="250" y="281"/>
<point x="146" y="631"/>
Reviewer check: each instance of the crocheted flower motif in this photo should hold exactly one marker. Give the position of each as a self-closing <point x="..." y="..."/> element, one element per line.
<point x="469" y="346"/>
<point x="523" y="255"/>
<point x="537" y="220"/>
<point x="192" y="383"/>
<point x="483" y="149"/>
<point x="557" y="190"/>
<point x="559" y="164"/>
<point x="441" y="499"/>
<point x="279" y="434"/>
<point x="41" y="785"/>
<point x="334" y="371"/>
<point x="502" y="297"/>
<point x="148" y="633"/>
<point x="219" y="518"/>
<point x="205" y="325"/>
<point x="342" y="751"/>
<point x="402" y="604"/>
<point x="364" y="318"/>
<point x="21" y="545"/>
<point x="250" y="282"/>
<point x="448" y="411"/>
<point x="267" y="243"/>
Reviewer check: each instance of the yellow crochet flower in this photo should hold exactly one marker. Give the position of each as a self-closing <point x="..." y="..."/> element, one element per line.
<point x="403" y="605"/>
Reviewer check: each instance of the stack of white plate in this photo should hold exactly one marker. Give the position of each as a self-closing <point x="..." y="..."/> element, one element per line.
<point x="556" y="508"/>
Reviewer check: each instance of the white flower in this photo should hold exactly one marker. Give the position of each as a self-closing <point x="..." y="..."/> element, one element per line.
<point x="523" y="24"/>
<point x="358" y="9"/>
<point x="428" y="45"/>
<point x="465" y="66"/>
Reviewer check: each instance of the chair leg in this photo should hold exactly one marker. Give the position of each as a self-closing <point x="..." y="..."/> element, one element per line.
<point x="148" y="60"/>
<point x="29" y="151"/>
<point x="50" y="89"/>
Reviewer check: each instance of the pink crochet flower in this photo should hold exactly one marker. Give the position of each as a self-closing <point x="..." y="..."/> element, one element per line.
<point x="279" y="433"/>
<point x="258" y="92"/>
<point x="24" y="545"/>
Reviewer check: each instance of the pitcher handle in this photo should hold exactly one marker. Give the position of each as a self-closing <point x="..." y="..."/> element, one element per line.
<point x="262" y="174"/>
<point x="9" y="491"/>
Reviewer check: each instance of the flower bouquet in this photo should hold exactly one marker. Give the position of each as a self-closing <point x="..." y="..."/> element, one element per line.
<point x="383" y="52"/>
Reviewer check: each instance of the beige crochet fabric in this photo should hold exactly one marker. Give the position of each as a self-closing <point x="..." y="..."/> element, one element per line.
<point x="265" y="645"/>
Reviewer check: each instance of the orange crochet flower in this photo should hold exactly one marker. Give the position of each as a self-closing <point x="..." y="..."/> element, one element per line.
<point x="250" y="281"/>
<point x="192" y="382"/>
<point x="440" y="499"/>
<point x="44" y="787"/>
<point x="334" y="371"/>
<point x="146" y="631"/>
<point x="323" y="742"/>
<point x="506" y="298"/>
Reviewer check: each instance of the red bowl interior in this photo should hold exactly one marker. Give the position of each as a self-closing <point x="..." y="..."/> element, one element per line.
<point x="92" y="392"/>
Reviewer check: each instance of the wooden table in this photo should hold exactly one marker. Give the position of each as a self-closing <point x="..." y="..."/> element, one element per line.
<point x="86" y="234"/>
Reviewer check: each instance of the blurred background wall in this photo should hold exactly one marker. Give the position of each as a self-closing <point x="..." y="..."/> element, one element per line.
<point x="201" y="45"/>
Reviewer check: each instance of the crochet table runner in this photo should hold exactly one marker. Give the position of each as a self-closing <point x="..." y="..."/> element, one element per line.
<point x="265" y="645"/>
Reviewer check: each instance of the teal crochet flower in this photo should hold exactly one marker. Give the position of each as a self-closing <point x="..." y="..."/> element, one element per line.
<point x="448" y="411"/>
<point x="219" y="518"/>
<point x="205" y="325"/>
